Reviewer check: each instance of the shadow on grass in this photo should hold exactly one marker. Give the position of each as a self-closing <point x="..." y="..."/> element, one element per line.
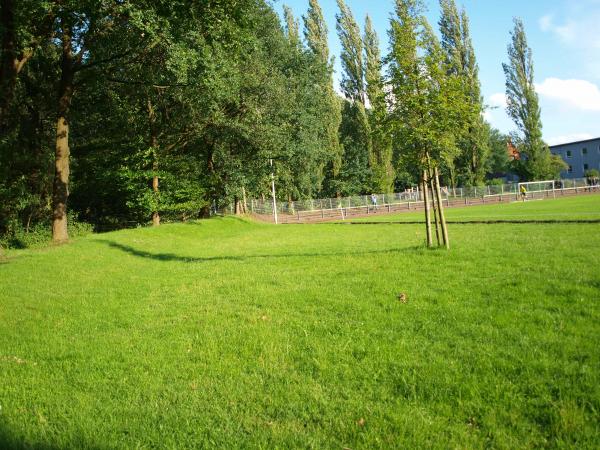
<point x="196" y="259"/>
<point x="13" y="440"/>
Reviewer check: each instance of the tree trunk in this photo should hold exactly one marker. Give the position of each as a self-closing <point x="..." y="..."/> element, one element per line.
<point x="155" y="215"/>
<point x="210" y="194"/>
<point x="12" y="62"/>
<point x="60" y="188"/>
<point x="427" y="213"/>
<point x="154" y="146"/>
<point x="8" y="73"/>
<point x="245" y="200"/>
<point x="435" y="208"/>
<point x="438" y="194"/>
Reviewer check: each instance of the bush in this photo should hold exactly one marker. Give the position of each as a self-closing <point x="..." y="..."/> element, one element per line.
<point x="40" y="234"/>
<point x="591" y="173"/>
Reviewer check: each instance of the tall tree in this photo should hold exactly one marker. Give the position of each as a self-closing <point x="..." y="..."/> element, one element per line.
<point x="425" y="112"/>
<point x="355" y="132"/>
<point x="523" y="107"/>
<point x="315" y="32"/>
<point x="82" y="28"/>
<point x="380" y="157"/>
<point x="291" y="26"/>
<point x="353" y="76"/>
<point x="461" y="62"/>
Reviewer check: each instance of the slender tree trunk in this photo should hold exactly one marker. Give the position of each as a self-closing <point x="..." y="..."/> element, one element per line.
<point x="427" y="212"/>
<point x="155" y="215"/>
<point x="435" y="208"/>
<point x="438" y="194"/>
<point x="210" y="167"/>
<point x="60" y="188"/>
<point x="244" y="200"/>
<point x="154" y="146"/>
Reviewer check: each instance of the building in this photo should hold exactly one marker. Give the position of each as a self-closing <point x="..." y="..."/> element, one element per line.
<point x="580" y="156"/>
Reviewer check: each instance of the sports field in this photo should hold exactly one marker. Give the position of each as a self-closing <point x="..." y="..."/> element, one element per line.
<point x="233" y="334"/>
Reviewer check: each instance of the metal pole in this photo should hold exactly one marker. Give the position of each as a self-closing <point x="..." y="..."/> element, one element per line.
<point x="273" y="191"/>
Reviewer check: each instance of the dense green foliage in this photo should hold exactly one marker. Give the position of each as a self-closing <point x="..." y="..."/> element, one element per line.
<point x="231" y="334"/>
<point x="139" y="110"/>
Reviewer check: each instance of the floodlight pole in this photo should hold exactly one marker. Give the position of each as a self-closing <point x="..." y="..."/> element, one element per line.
<point x="273" y="192"/>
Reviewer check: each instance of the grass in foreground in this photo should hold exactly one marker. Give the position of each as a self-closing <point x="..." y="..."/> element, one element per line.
<point x="231" y="334"/>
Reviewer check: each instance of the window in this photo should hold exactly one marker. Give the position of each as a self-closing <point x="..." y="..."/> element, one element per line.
<point x="569" y="154"/>
<point x="584" y="151"/>
<point x="570" y="169"/>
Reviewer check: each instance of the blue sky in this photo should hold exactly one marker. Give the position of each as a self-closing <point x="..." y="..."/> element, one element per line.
<point x="564" y="36"/>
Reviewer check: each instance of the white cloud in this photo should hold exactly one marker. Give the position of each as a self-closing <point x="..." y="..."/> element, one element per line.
<point x="498" y="100"/>
<point x="567" y="32"/>
<point x="564" y="139"/>
<point x="575" y="25"/>
<point x="546" y="22"/>
<point x="578" y="94"/>
<point x="581" y="31"/>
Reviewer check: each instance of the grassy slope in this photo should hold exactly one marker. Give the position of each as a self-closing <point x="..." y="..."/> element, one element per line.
<point x="234" y="334"/>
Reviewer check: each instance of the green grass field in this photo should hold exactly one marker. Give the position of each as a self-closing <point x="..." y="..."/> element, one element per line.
<point x="585" y="207"/>
<point x="233" y="334"/>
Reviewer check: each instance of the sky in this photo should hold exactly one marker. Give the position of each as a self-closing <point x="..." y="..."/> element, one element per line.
<point x="564" y="36"/>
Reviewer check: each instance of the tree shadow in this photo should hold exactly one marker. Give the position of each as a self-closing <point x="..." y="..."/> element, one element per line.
<point x="199" y="259"/>
<point x="10" y="439"/>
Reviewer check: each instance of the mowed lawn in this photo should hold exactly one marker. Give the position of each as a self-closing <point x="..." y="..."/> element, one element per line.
<point x="583" y="207"/>
<point x="232" y="334"/>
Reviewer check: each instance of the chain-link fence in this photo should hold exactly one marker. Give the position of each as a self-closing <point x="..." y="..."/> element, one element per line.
<point x="341" y="207"/>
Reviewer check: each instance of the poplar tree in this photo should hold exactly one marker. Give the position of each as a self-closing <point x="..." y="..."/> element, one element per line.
<point x="461" y="62"/>
<point x="523" y="108"/>
<point x="291" y="27"/>
<point x="353" y="77"/>
<point x="380" y="157"/>
<point x="355" y="132"/>
<point x="315" y="33"/>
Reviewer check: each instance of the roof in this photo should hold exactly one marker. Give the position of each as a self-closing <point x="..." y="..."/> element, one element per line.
<point x="574" y="142"/>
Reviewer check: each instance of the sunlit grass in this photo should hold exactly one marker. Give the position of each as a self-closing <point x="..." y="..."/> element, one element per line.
<point x="584" y="207"/>
<point x="227" y="333"/>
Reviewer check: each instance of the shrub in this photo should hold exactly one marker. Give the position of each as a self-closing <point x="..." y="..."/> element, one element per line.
<point x="40" y="234"/>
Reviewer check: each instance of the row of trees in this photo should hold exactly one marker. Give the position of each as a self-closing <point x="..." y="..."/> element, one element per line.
<point x="137" y="110"/>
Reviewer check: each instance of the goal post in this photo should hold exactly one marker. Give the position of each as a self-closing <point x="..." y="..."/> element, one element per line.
<point x="533" y="187"/>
